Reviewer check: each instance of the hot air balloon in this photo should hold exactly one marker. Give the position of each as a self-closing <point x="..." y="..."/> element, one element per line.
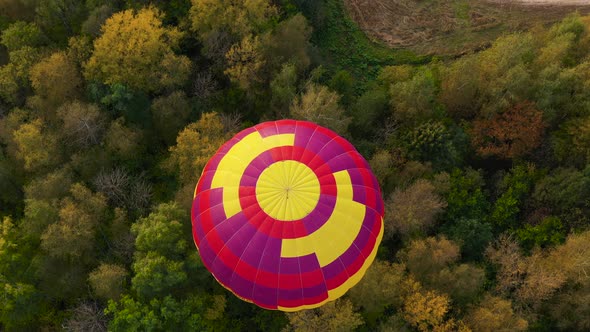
<point x="287" y="215"/>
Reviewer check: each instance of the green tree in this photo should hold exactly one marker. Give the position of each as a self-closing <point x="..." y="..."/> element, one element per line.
<point x="162" y="231"/>
<point x="20" y="34"/>
<point x="96" y="19"/>
<point x="570" y="310"/>
<point x="14" y="76"/>
<point x="150" y="65"/>
<point x="289" y="43"/>
<point x="369" y="112"/>
<point x="382" y="166"/>
<point x="465" y="198"/>
<point x="283" y="88"/>
<point x="321" y="105"/>
<point x="162" y="314"/>
<point x="437" y="142"/>
<point x="50" y="187"/>
<point x="156" y="275"/>
<point x="379" y="288"/>
<point x="460" y="87"/>
<point x="516" y="186"/>
<point x="38" y="215"/>
<point x="20" y="305"/>
<point x="471" y="234"/>
<point x="549" y="232"/>
<point x="170" y="114"/>
<point x="60" y="18"/>
<point x="414" y="100"/>
<point x="562" y="189"/>
<point x="462" y="283"/>
<point x="502" y="73"/>
<point x="108" y="281"/>
<point x="14" y="252"/>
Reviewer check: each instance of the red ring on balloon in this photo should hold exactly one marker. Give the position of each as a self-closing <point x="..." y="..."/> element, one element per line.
<point x="295" y="228"/>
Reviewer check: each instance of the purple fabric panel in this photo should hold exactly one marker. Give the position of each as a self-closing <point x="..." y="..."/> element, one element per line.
<point x="359" y="193"/>
<point x="266" y="129"/>
<point x="216" y="211"/>
<point x="245" y="241"/>
<point x="264" y="295"/>
<point x="317" y="142"/>
<point x="333" y="269"/>
<point x="302" y="135"/>
<point x="262" y="161"/>
<point x="207" y="255"/>
<point x="380" y="205"/>
<point x="356" y="178"/>
<point x="331" y="150"/>
<point x="231" y="227"/>
<point x="341" y="162"/>
<point x="290" y="294"/>
<point x="250" y="177"/>
<point x="255" y="249"/>
<point x="354" y="251"/>
<point x="316" y="291"/>
<point x="241" y="286"/>
<point x="286" y="126"/>
<point x="271" y="255"/>
<point x="322" y="212"/>
<point x="371" y="218"/>
<point x="206" y="179"/>
<point x="198" y="231"/>
<point x="222" y="272"/>
<point x="307" y="263"/>
<point x="289" y="265"/>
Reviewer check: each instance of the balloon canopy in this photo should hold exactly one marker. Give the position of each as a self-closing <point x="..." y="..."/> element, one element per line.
<point x="287" y="215"/>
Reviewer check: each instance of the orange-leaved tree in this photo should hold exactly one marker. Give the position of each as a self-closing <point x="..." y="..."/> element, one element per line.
<point x="510" y="134"/>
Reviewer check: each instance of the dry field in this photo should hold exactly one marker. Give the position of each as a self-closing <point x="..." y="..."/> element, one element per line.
<point x="545" y="2"/>
<point x="450" y="27"/>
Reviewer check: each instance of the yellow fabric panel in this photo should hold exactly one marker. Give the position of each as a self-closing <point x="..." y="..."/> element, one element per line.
<point x="234" y="163"/>
<point x="342" y="228"/>
<point x="336" y="293"/>
<point x="288" y="190"/>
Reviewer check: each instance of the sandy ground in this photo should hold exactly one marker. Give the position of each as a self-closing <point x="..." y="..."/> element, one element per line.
<point x="545" y="2"/>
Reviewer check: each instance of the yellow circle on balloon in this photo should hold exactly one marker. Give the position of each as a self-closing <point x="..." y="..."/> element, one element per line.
<point x="288" y="190"/>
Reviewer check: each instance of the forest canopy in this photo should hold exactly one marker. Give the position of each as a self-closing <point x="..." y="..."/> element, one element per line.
<point x="110" y="109"/>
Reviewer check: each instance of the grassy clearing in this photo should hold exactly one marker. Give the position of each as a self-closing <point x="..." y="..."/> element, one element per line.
<point x="346" y="46"/>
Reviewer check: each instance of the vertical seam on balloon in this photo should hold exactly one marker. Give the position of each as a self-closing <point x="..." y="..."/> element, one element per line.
<point x="255" y="282"/>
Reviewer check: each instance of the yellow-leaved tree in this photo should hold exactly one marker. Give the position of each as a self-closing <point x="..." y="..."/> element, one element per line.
<point x="135" y="49"/>
<point x="195" y="144"/>
<point x="238" y="18"/>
